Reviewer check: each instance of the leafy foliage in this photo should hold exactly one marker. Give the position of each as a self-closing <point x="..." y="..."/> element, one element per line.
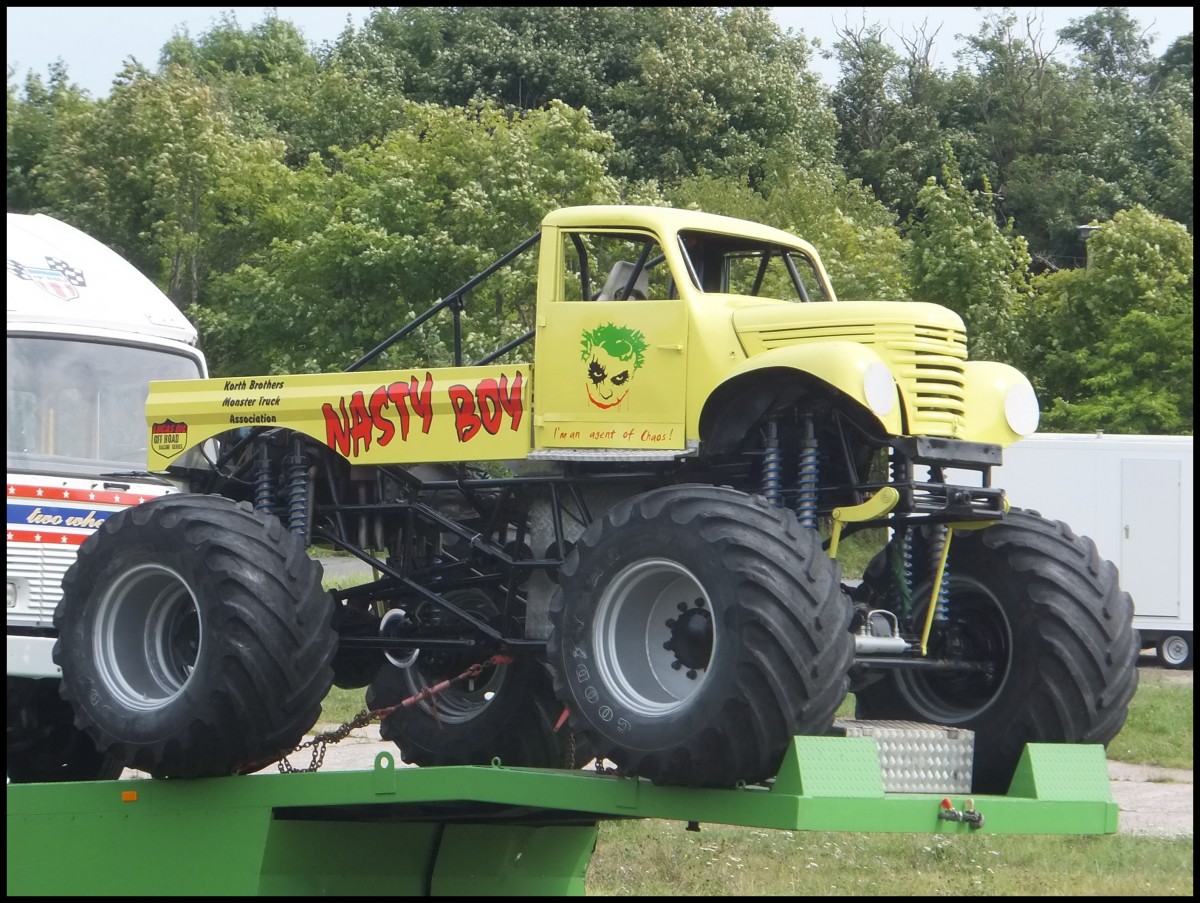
<point x="379" y="236"/>
<point x="683" y="90"/>
<point x="962" y="259"/>
<point x="301" y="203"/>
<point x="1111" y="344"/>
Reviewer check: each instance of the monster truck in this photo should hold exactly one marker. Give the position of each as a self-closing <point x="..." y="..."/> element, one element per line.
<point x="627" y="546"/>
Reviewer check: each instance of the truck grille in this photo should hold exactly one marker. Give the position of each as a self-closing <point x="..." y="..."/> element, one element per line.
<point x="927" y="361"/>
<point x="41" y="568"/>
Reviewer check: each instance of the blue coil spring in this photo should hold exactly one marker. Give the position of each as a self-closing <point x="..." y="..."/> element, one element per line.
<point x="297" y="495"/>
<point x="264" y="489"/>
<point x="772" y="473"/>
<point x="806" y="486"/>
<point x="908" y="560"/>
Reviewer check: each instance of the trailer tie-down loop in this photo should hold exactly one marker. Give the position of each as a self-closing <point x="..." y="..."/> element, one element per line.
<point x="319" y="743"/>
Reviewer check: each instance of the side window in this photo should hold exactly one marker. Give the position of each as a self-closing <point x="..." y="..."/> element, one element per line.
<point x="742" y="266"/>
<point x="807" y="272"/>
<point x="750" y="275"/>
<point x="614" y="266"/>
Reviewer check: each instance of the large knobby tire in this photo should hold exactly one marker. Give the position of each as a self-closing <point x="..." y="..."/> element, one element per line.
<point x="195" y="638"/>
<point x="1039" y="605"/>
<point x="509" y="712"/>
<point x="44" y="746"/>
<point x="696" y="630"/>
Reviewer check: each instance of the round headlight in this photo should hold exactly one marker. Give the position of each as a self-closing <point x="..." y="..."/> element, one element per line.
<point x="879" y="388"/>
<point x="1021" y="409"/>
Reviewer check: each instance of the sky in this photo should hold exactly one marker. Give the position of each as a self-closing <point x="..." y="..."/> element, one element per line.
<point x="94" y="42"/>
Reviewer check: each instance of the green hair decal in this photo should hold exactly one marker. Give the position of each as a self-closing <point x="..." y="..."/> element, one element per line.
<point x="620" y="342"/>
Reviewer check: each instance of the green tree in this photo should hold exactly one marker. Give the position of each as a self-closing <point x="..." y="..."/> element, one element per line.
<point x="273" y="84"/>
<point x="159" y="174"/>
<point x="890" y="112"/>
<point x="1111" y="45"/>
<point x="961" y="258"/>
<point x="682" y="90"/>
<point x="38" y="117"/>
<point x="385" y="232"/>
<point x="1110" y="345"/>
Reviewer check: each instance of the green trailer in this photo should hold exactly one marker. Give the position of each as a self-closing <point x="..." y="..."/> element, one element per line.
<point x="480" y="830"/>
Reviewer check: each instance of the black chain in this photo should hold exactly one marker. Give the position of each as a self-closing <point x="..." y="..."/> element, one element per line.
<point x="321" y="741"/>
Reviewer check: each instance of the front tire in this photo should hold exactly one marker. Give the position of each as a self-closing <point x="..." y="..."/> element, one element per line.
<point x="195" y="638"/>
<point x="696" y="630"/>
<point x="1041" y="608"/>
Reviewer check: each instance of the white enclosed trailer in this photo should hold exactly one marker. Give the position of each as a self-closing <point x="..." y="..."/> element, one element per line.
<point x="1133" y="496"/>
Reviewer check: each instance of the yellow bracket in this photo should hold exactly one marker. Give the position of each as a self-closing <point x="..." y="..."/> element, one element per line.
<point x="873" y="508"/>
<point x="941" y="570"/>
<point x="937" y="588"/>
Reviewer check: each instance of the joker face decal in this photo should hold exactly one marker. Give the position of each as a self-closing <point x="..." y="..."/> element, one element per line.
<point x="612" y="355"/>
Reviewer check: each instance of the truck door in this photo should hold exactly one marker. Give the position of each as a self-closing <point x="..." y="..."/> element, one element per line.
<point x="611" y="356"/>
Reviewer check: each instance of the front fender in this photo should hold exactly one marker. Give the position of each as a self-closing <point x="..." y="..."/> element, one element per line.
<point x="853" y="369"/>
<point x="1001" y="406"/>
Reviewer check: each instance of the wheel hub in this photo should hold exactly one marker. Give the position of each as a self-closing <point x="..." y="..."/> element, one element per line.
<point x="691" y="638"/>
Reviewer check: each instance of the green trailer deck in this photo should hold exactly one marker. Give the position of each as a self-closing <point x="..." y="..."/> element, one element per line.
<point x="479" y="830"/>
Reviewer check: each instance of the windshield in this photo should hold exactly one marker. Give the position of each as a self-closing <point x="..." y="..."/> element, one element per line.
<point x="742" y="266"/>
<point x="77" y="406"/>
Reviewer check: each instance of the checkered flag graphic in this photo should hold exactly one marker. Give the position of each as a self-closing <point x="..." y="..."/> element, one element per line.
<point x="73" y="276"/>
<point x="17" y="269"/>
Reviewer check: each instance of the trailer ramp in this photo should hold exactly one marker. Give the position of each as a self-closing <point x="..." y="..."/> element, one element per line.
<point x="480" y="830"/>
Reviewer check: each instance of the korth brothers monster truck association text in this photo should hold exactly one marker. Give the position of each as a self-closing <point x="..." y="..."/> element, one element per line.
<point x="639" y="527"/>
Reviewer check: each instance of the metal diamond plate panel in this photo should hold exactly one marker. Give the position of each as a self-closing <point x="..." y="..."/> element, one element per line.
<point x="916" y="757"/>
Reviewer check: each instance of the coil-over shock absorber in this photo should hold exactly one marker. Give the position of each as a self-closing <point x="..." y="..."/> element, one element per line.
<point x="772" y="465"/>
<point x="264" y="483"/>
<point x="807" y="476"/>
<point x="899" y="550"/>
<point x="297" y="491"/>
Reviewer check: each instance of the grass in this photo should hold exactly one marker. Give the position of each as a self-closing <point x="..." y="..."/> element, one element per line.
<point x="651" y="857"/>
<point x="1159" y="728"/>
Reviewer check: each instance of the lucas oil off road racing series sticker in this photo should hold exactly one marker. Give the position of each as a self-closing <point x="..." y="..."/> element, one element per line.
<point x="168" y="438"/>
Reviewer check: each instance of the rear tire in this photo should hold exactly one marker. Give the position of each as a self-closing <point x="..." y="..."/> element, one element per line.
<point x="1041" y="607"/>
<point x="508" y="712"/>
<point x="195" y="639"/>
<point x="696" y="630"/>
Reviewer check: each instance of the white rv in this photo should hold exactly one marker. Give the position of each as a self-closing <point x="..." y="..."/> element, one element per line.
<point x="1133" y="496"/>
<point x="86" y="334"/>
